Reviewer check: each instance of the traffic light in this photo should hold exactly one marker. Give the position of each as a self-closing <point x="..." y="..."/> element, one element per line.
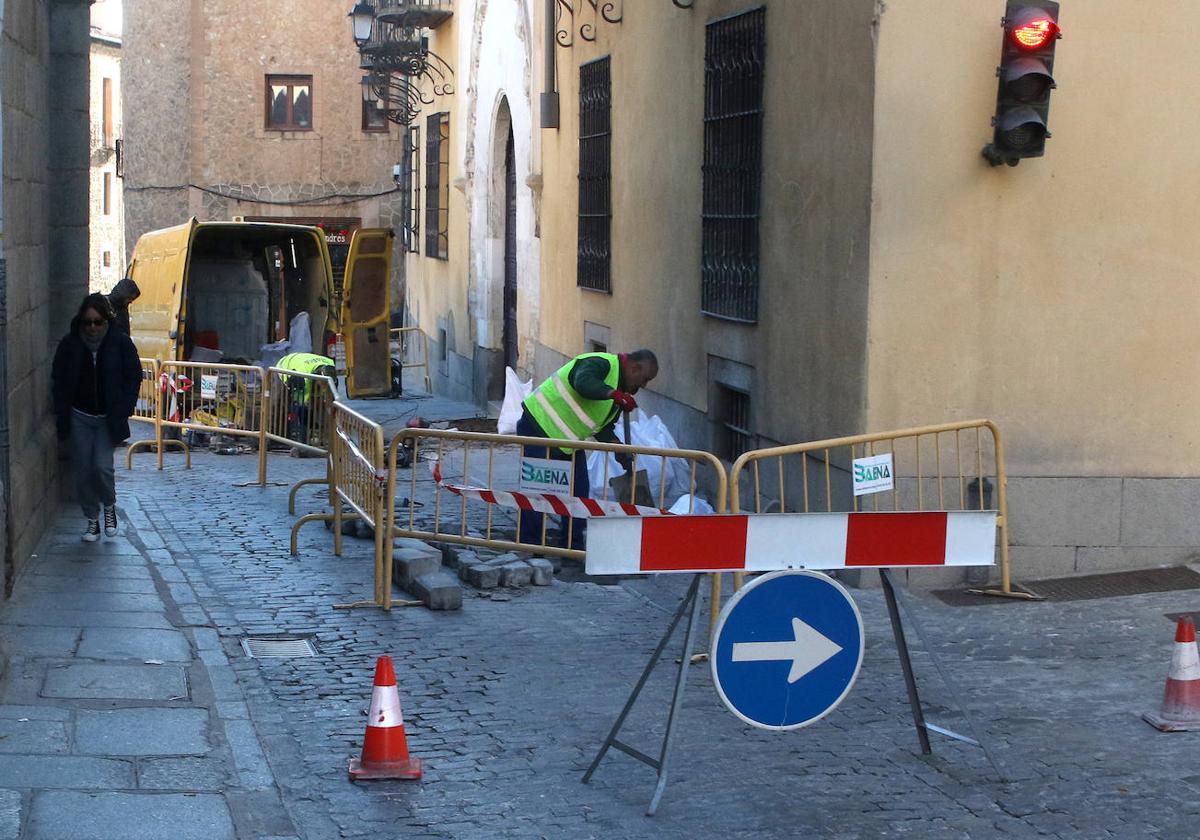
<point x="1025" y="80"/>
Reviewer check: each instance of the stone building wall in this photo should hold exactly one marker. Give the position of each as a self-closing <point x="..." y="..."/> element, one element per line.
<point x="194" y="94"/>
<point x="43" y="246"/>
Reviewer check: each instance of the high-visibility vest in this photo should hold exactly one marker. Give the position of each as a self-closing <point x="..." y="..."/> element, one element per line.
<point x="563" y="413"/>
<point x="304" y="363"/>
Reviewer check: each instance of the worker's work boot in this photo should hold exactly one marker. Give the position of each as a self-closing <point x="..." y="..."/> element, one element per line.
<point x="93" y="531"/>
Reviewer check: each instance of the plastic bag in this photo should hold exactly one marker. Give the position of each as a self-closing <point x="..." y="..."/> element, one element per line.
<point x="515" y="392"/>
<point x="644" y="431"/>
<point x="300" y="334"/>
<point x="697" y="504"/>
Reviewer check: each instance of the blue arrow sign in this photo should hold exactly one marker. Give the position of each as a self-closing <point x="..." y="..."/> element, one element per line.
<point x="787" y="649"/>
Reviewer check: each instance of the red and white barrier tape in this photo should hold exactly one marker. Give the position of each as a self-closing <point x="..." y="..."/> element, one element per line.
<point x="555" y="503"/>
<point x="379" y="473"/>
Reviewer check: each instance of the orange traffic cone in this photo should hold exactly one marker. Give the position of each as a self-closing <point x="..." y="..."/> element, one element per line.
<point x="385" y="749"/>
<point x="1181" y="701"/>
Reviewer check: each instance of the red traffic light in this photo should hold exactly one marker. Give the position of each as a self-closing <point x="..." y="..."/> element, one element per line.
<point x="1033" y="28"/>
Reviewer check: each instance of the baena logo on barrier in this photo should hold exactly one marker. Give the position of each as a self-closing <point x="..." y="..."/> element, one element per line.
<point x="545" y="475"/>
<point x="873" y="474"/>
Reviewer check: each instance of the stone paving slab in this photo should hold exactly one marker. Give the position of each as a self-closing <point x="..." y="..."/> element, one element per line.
<point x="188" y="773"/>
<point x="20" y="615"/>
<point x="24" y="735"/>
<point x="65" y="771"/>
<point x="128" y="643"/>
<point x="91" y="601"/>
<point x="57" y="815"/>
<point x="90" y="583"/>
<point x="116" y="682"/>
<point x="143" y="731"/>
<point x="39" y="641"/>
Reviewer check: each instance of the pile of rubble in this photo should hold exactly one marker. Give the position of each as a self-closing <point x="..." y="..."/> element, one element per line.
<point x="435" y="573"/>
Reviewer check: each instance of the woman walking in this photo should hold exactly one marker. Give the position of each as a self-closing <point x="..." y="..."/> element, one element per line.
<point x="96" y="379"/>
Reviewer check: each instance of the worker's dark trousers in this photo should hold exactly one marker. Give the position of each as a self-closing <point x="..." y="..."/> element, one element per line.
<point x="531" y="523"/>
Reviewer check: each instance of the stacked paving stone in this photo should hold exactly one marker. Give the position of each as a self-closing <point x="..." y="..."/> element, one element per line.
<point x="421" y="569"/>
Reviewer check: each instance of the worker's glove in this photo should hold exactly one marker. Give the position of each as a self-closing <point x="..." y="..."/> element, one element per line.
<point x="625" y="401"/>
<point x="625" y="460"/>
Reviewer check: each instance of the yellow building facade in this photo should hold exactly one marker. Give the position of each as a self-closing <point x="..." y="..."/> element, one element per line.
<point x="899" y="278"/>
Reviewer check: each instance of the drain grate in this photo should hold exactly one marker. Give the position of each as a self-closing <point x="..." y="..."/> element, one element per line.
<point x="278" y="648"/>
<point x="1091" y="587"/>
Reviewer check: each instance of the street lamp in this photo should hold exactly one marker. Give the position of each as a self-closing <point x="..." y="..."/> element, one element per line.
<point x="362" y="17"/>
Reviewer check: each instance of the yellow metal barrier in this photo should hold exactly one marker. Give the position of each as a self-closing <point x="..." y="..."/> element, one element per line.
<point x="405" y="339"/>
<point x="951" y="466"/>
<point x="216" y="399"/>
<point x="148" y="410"/>
<point x="491" y="463"/>
<point x="299" y="409"/>
<point x="358" y="467"/>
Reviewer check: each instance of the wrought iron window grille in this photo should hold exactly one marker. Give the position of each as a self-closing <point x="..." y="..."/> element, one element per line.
<point x="437" y="186"/>
<point x="734" y="62"/>
<point x="737" y="438"/>
<point x="410" y="183"/>
<point x="595" y="176"/>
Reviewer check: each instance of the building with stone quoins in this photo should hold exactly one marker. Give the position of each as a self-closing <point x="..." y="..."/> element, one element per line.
<point x="255" y="115"/>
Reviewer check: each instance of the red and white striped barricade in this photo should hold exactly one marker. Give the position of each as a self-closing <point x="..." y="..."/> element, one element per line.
<point x="777" y="541"/>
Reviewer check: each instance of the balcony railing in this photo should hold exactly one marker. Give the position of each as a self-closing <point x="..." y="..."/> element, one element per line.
<point x="416" y="14"/>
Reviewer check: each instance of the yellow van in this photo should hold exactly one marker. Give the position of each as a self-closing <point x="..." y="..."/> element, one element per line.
<point x="239" y="292"/>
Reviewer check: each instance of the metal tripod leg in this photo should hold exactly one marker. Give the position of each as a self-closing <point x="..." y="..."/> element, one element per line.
<point x="691" y="600"/>
<point x="910" y="682"/>
<point x="976" y="741"/>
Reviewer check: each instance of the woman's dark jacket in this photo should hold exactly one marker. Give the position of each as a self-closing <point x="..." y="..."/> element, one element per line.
<point x="108" y="387"/>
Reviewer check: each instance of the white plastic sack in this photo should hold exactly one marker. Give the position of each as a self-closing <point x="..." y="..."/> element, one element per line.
<point x="645" y="431"/>
<point x="689" y="504"/>
<point x="300" y="334"/>
<point x="515" y="392"/>
<point x="270" y="354"/>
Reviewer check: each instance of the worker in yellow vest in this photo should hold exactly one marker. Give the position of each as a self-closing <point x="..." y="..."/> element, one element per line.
<point x="299" y="390"/>
<point x="580" y="401"/>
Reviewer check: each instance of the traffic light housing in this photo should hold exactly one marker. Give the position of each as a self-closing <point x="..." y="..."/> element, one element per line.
<point x="1026" y="78"/>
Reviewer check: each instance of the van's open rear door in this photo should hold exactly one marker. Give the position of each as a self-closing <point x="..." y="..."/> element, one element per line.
<point x="366" y="307"/>
<point x="159" y="266"/>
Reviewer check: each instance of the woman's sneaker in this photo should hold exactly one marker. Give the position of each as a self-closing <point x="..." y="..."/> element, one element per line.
<point x="110" y="520"/>
<point x="93" y="531"/>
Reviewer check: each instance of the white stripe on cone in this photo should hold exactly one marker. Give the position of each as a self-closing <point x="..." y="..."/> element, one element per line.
<point x="385" y="707"/>
<point x="1185" y="662"/>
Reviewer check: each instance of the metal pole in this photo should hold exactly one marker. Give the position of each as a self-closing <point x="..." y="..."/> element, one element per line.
<point x="910" y="682"/>
<point x="549" y="103"/>
<point x="677" y="700"/>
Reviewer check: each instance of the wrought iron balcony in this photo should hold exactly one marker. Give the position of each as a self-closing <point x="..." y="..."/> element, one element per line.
<point x="415" y="14"/>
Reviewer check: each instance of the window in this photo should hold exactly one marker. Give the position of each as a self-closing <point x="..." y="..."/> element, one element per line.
<point x="736" y="437"/>
<point x="106" y="198"/>
<point x="410" y="183"/>
<point x="437" y="186"/>
<point x="374" y="117"/>
<point x="106" y="258"/>
<point x="289" y="103"/>
<point x="734" y="56"/>
<point x="106" y="114"/>
<point x="595" y="175"/>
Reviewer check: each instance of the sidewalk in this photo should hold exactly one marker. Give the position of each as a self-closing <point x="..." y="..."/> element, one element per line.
<point x="130" y="711"/>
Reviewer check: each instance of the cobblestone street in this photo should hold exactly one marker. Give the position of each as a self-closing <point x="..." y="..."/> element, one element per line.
<point x="507" y="701"/>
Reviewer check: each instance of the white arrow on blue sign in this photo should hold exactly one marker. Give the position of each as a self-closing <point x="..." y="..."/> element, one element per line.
<point x="787" y="649"/>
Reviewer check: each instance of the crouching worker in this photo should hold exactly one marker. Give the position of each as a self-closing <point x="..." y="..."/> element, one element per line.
<point x="580" y="401"/>
<point x="300" y="392"/>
